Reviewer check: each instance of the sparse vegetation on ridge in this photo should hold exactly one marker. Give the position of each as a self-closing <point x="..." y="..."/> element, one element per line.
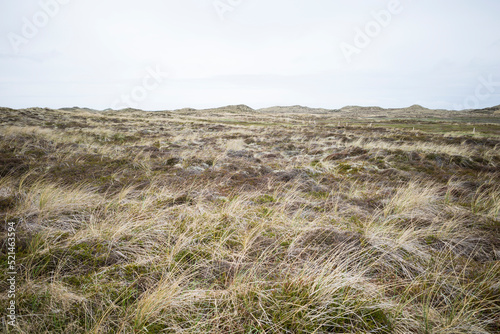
<point x="240" y="221"/>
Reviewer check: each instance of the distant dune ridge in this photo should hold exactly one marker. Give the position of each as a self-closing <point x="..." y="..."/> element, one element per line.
<point x="297" y="109"/>
<point x="414" y="109"/>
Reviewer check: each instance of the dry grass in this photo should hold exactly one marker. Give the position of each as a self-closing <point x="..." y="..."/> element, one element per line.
<point x="238" y="222"/>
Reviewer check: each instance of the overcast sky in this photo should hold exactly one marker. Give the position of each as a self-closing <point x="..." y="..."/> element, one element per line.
<point x="168" y="54"/>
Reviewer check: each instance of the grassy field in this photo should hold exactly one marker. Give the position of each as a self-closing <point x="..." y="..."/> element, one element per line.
<point x="230" y="221"/>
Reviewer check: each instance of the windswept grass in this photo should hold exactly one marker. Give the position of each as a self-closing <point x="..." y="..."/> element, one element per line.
<point x="194" y="222"/>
